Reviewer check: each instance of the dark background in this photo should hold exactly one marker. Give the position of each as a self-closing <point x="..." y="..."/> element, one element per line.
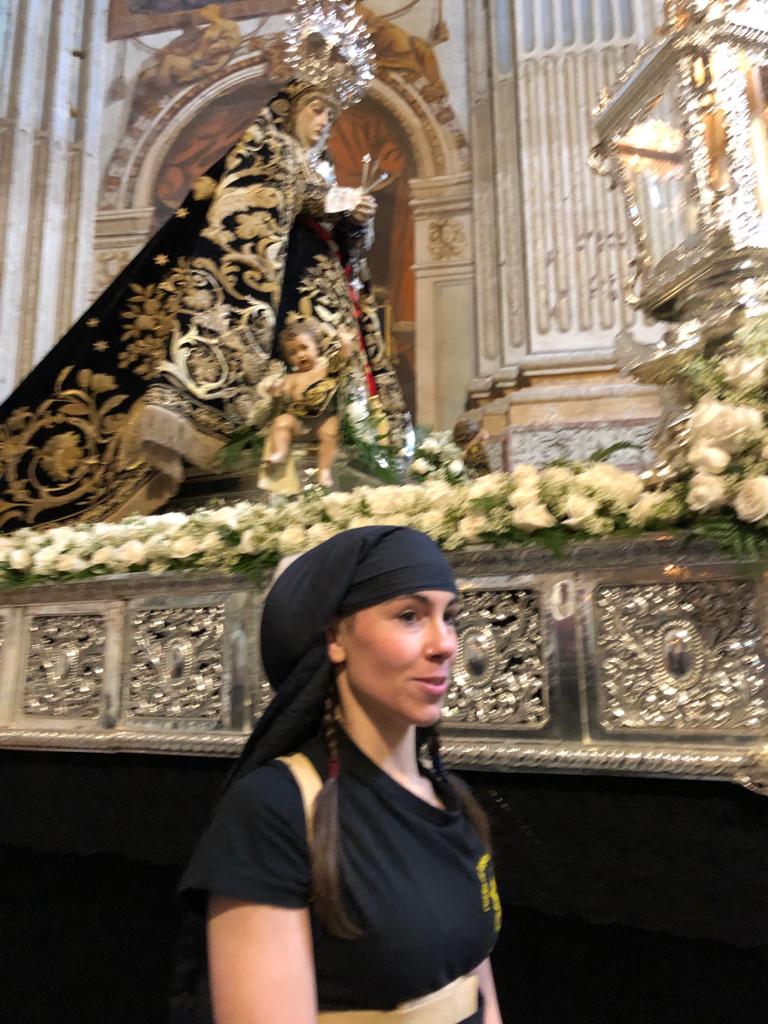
<point x="625" y="901"/>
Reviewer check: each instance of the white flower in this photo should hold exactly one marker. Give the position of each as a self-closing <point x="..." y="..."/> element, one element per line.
<point x="319" y="532"/>
<point x="62" y="535"/>
<point x="579" y="509"/>
<point x="731" y="427"/>
<point x="431" y="522"/>
<point x="226" y="516"/>
<point x="44" y="559"/>
<point x="185" y="546"/>
<point x="751" y="502"/>
<point x="744" y="371"/>
<point x="292" y="539"/>
<point x="20" y="559"/>
<point x="471" y="527"/>
<point x="172" y="518"/>
<point x="524" y="475"/>
<point x="104" y="556"/>
<point x="525" y="495"/>
<point x="649" y="506"/>
<point x="455" y="467"/>
<point x="248" y="543"/>
<point x="357" y="411"/>
<point x="71" y="563"/>
<point x="133" y="552"/>
<point x="430" y="445"/>
<point x="336" y="504"/>
<point x="707" y="410"/>
<point x="383" y="501"/>
<point x="485" y="486"/>
<point x="533" y="517"/>
<point x="708" y="458"/>
<point x="421" y="467"/>
<point x="706" y="492"/>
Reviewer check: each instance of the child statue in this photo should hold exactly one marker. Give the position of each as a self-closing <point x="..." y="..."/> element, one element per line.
<point x="306" y="398"/>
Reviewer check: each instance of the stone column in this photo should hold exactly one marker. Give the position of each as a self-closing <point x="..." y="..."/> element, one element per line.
<point x="48" y="174"/>
<point x="445" y="300"/>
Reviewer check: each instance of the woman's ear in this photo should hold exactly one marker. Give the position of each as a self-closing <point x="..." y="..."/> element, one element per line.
<point x="334" y="646"/>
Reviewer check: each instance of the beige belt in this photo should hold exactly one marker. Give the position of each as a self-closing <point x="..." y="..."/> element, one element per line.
<point x="449" y="1005"/>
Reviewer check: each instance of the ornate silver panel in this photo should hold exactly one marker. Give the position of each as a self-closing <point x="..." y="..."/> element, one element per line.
<point x="65" y="667"/>
<point x="176" y="666"/>
<point x="500" y="676"/>
<point x="680" y="656"/>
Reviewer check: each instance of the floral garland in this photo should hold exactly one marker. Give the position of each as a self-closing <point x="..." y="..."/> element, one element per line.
<point x="720" y="490"/>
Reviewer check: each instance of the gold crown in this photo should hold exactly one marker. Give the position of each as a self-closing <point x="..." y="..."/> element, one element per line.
<point x="328" y="44"/>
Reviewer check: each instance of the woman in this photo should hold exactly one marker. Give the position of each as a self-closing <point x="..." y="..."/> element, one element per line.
<point x="392" y="901"/>
<point x="163" y="368"/>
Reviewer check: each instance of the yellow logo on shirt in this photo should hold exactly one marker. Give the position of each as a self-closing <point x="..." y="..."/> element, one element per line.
<point x="489" y="894"/>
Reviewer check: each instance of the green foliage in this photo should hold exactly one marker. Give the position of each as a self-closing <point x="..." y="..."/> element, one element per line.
<point x="248" y="441"/>
<point x="605" y="453"/>
<point x="741" y="541"/>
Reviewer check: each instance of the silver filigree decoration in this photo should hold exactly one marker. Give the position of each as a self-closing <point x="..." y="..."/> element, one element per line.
<point x="65" y="667"/>
<point x="328" y="44"/>
<point x="682" y="656"/>
<point x="176" y="669"/>
<point x="499" y="675"/>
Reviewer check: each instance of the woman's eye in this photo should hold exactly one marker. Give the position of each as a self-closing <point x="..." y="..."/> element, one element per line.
<point x="408" y="616"/>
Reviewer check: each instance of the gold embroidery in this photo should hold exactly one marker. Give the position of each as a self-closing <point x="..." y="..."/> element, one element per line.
<point x="489" y="893"/>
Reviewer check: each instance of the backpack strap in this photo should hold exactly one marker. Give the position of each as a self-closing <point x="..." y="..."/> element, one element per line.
<point x="308" y="779"/>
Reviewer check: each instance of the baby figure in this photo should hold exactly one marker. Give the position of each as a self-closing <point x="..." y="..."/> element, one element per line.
<point x="308" y="395"/>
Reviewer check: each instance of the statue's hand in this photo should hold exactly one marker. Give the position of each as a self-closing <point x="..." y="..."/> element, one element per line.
<point x="365" y="210"/>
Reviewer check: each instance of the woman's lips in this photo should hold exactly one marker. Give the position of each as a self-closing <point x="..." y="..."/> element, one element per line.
<point x="434" y="685"/>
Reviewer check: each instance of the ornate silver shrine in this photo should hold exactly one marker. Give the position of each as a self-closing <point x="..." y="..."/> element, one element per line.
<point x="644" y="657"/>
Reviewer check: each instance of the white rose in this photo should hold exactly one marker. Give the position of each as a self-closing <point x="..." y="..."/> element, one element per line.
<point x="319" y="532"/>
<point x="133" y="552"/>
<point x="705" y="493"/>
<point x="737" y="427"/>
<point x="751" y="502"/>
<point x="248" y="543"/>
<point x="526" y="495"/>
<point x="184" y="547"/>
<point x="485" y="486"/>
<point x="292" y="539"/>
<point x="62" y="535"/>
<point x="430" y="445"/>
<point x="226" y="516"/>
<point x="43" y="559"/>
<point x="357" y="412"/>
<point x="431" y="522"/>
<point x="20" y="559"/>
<point x="471" y="527"/>
<point x="524" y="475"/>
<point x="336" y="504"/>
<point x="744" y="371"/>
<point x="579" y="508"/>
<point x="172" y="518"/>
<point x="421" y="467"/>
<point x="383" y="501"/>
<point x="647" y="508"/>
<point x="103" y="556"/>
<point x="71" y="563"/>
<point x="556" y="476"/>
<point x="707" y="410"/>
<point x="455" y="467"/>
<point x="533" y="517"/>
<point x="708" y="458"/>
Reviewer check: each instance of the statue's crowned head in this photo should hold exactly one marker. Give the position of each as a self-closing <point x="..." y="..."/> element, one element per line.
<point x="328" y="44"/>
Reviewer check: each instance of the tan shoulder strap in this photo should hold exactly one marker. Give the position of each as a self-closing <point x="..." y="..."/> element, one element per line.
<point x="308" y="779"/>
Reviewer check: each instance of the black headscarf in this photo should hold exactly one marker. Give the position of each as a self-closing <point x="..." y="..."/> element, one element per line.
<point x="349" y="572"/>
<point x="354" y="570"/>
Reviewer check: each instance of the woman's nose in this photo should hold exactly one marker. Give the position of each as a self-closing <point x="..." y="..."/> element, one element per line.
<point x="442" y="641"/>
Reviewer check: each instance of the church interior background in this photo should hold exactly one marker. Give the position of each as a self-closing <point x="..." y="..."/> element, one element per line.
<point x="631" y="866"/>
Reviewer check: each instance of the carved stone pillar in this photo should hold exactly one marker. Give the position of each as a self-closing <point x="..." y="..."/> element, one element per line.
<point x="52" y="58"/>
<point x="119" y="236"/>
<point x="443" y="270"/>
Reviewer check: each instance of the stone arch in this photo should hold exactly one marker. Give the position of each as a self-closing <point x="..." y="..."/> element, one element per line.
<point x="438" y="144"/>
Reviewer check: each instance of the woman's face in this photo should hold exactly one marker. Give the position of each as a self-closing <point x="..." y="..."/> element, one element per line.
<point x="394" y="659"/>
<point x="312" y="122"/>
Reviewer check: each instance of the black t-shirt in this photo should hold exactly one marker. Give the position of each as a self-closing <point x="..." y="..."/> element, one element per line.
<point x="418" y="877"/>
